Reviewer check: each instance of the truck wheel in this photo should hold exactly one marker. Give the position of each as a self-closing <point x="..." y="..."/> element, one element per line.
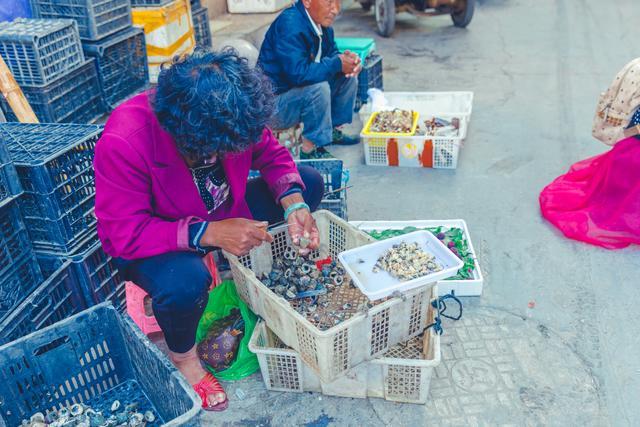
<point x="462" y="15"/>
<point x="386" y="17"/>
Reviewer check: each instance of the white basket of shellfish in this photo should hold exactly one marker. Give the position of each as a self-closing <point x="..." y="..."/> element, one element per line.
<point x="312" y="305"/>
<point x="454" y="233"/>
<point x="441" y="130"/>
<point x="449" y="104"/>
<point x="401" y="374"/>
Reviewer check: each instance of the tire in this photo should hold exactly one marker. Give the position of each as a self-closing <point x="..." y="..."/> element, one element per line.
<point x="386" y="17"/>
<point x="462" y="17"/>
<point x="366" y="6"/>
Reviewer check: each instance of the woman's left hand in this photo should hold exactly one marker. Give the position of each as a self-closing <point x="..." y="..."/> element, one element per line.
<point x="303" y="231"/>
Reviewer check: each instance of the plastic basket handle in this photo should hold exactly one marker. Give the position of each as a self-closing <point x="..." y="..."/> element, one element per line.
<point x="45" y="348"/>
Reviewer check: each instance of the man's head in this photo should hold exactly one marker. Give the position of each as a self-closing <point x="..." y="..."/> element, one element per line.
<point x="323" y="12"/>
<point x="212" y="103"/>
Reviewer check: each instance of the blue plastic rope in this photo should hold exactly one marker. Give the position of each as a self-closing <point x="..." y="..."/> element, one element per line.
<point x="440" y="305"/>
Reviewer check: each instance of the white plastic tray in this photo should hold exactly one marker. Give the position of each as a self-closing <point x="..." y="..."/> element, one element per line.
<point x="463" y="288"/>
<point x="359" y="263"/>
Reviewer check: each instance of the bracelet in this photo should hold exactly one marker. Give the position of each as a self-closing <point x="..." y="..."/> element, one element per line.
<point x="295" y="207"/>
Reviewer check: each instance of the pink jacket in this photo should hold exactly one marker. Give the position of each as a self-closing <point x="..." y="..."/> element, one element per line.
<point x="145" y="194"/>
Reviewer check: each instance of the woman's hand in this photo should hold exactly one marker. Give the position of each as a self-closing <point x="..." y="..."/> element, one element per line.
<point x="303" y="231"/>
<point x="236" y="235"/>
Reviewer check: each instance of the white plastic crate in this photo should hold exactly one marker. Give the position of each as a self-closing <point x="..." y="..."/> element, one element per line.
<point x="334" y="351"/>
<point x="450" y="104"/>
<point x="414" y="151"/>
<point x="257" y="6"/>
<point x="401" y="374"/>
<point x="461" y="288"/>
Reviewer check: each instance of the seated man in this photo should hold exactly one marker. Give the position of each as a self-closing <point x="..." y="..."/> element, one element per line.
<point x="314" y="83"/>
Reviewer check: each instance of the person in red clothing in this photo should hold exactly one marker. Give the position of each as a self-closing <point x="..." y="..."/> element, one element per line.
<point x="171" y="174"/>
<point x="598" y="200"/>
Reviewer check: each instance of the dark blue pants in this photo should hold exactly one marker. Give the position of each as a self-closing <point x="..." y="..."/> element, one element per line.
<point x="178" y="282"/>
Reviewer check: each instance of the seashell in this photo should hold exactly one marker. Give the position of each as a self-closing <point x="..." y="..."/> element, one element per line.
<point x="51" y="417"/>
<point x="136" y="420"/>
<point x="131" y="407"/>
<point x="149" y="417"/>
<point x="115" y="405"/>
<point x="38" y="417"/>
<point x="306" y="268"/>
<point x="287" y="273"/>
<point x="76" y="409"/>
<point x="290" y="294"/>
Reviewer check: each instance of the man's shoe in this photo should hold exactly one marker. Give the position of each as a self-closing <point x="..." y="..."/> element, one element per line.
<point x="318" y="153"/>
<point x="339" y="138"/>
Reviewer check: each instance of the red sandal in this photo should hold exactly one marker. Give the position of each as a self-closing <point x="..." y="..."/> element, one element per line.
<point x="207" y="386"/>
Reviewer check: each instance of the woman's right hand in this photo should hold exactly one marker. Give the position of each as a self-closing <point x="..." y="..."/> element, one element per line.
<point x="236" y="235"/>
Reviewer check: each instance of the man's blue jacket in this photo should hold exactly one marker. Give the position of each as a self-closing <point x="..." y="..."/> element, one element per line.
<point x="288" y="52"/>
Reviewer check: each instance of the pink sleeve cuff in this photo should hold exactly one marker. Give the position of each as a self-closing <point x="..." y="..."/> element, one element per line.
<point x="284" y="183"/>
<point x="183" y="232"/>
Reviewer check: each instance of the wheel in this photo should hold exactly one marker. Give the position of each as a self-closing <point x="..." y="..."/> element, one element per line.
<point x="366" y="6"/>
<point x="463" y="13"/>
<point x="386" y="17"/>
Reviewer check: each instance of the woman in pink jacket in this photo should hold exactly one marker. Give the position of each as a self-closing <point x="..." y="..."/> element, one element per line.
<point x="172" y="184"/>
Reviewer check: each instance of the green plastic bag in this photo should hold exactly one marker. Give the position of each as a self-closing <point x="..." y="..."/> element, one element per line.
<point x="222" y="299"/>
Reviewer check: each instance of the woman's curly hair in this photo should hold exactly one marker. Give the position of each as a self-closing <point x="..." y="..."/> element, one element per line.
<point x="213" y="102"/>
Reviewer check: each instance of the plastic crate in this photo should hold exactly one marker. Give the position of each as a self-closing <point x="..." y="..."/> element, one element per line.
<point x="461" y="288"/>
<point x="428" y="104"/>
<point x="96" y="18"/>
<point x="121" y="62"/>
<point x="73" y="98"/>
<point x="335" y="176"/>
<point x="10" y="186"/>
<point x="365" y="335"/>
<point x="401" y="374"/>
<point x="19" y="271"/>
<point x="9" y="183"/>
<point x="257" y="6"/>
<point x="370" y="77"/>
<point x="95" y="358"/>
<point x="201" y="28"/>
<point x="149" y="3"/>
<point x="57" y="298"/>
<point x="38" y="51"/>
<point x="97" y="275"/>
<point x="363" y="46"/>
<point x="57" y="177"/>
<point x="439" y="152"/>
<point x="168" y="31"/>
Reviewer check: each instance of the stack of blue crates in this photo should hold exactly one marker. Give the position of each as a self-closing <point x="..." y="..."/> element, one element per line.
<point x="95" y="358"/>
<point x="118" y="49"/>
<point x="121" y="61"/>
<point x="19" y="271"/>
<point x="54" y="163"/>
<point x="201" y="29"/>
<point x="46" y="59"/>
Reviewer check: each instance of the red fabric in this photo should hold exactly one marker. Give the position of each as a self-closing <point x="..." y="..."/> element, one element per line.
<point x="598" y="200"/>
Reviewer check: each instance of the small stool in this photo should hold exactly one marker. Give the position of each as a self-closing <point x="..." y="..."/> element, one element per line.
<point x="139" y="302"/>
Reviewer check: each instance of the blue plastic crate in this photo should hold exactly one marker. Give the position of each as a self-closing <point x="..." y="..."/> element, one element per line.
<point x="195" y="4"/>
<point x="57" y="298"/>
<point x="97" y="274"/>
<point x="121" y="62"/>
<point x="19" y="275"/>
<point x="9" y="183"/>
<point x="54" y="163"/>
<point x="200" y="17"/>
<point x="38" y="51"/>
<point x="96" y="18"/>
<point x="73" y="98"/>
<point x="370" y="77"/>
<point x="95" y="357"/>
<point x="335" y="176"/>
<point x="149" y="3"/>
